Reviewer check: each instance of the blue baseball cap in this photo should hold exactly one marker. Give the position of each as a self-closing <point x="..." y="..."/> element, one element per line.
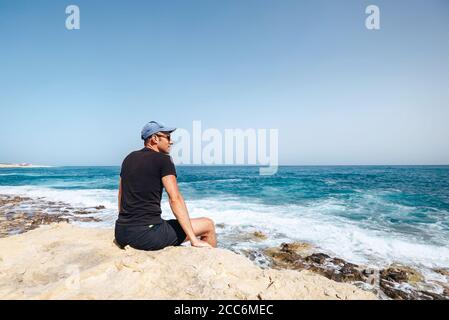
<point x="153" y="127"/>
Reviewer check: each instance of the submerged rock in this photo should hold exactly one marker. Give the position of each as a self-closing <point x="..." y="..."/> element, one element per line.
<point x="238" y="235"/>
<point x="9" y="200"/>
<point x="442" y="271"/>
<point x="83" y="211"/>
<point x="260" y="235"/>
<point x="86" y="219"/>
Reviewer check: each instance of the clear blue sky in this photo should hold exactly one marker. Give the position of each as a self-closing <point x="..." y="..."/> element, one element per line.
<point x="337" y="92"/>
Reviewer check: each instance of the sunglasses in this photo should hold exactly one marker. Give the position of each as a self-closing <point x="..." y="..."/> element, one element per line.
<point x="168" y="137"/>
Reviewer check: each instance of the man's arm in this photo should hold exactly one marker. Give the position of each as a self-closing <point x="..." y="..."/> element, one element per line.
<point x="120" y="195"/>
<point x="179" y="209"/>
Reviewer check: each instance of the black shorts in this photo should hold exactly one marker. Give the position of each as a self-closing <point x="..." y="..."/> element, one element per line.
<point x="155" y="237"/>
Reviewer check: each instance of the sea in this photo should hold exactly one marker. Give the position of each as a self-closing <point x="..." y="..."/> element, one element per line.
<point x="372" y="215"/>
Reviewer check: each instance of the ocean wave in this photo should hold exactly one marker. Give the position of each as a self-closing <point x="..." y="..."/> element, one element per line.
<point x="334" y="234"/>
<point x="314" y="222"/>
<point x="210" y="181"/>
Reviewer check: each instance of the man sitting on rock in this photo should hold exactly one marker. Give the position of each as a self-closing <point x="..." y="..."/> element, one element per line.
<point x="143" y="175"/>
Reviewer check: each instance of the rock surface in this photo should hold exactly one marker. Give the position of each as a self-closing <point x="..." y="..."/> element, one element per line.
<point x="62" y="261"/>
<point x="395" y="281"/>
<point x="22" y="214"/>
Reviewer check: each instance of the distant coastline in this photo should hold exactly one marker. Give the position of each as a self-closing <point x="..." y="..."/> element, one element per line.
<point x="21" y="165"/>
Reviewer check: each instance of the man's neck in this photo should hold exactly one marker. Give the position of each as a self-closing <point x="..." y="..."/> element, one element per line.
<point x="154" y="148"/>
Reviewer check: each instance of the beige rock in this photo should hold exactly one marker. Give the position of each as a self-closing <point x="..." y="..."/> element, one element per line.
<point x="62" y="261"/>
<point x="260" y="235"/>
<point x="401" y="273"/>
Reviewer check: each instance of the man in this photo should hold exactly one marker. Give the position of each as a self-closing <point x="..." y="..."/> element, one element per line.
<point x="143" y="175"/>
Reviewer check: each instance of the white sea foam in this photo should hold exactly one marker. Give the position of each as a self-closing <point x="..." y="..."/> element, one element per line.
<point x="79" y="197"/>
<point x="334" y="234"/>
<point x="313" y="223"/>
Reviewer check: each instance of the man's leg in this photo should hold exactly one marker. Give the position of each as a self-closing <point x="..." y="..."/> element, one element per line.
<point x="205" y="229"/>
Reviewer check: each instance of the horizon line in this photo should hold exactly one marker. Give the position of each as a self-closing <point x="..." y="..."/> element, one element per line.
<point x="243" y="165"/>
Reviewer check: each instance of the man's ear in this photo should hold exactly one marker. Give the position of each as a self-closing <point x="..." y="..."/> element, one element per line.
<point x="155" y="139"/>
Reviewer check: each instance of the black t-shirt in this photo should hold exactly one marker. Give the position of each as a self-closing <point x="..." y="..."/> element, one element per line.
<point x="141" y="174"/>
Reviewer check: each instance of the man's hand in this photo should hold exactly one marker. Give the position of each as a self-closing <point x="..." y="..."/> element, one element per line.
<point x="199" y="243"/>
<point x="179" y="209"/>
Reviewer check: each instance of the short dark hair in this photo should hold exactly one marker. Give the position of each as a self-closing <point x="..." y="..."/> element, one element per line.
<point x="147" y="140"/>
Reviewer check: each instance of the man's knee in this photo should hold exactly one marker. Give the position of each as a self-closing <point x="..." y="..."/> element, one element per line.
<point x="210" y="224"/>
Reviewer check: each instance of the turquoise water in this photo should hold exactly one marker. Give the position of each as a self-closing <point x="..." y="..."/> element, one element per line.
<point x="367" y="214"/>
